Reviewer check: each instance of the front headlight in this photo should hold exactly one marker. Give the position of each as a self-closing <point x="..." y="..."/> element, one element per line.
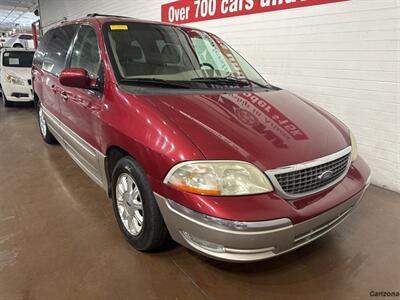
<point x="218" y="178"/>
<point x="354" y="148"/>
<point x="14" y="79"/>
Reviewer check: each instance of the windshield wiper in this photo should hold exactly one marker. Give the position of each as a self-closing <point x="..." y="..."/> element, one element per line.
<point x="155" y="81"/>
<point x="222" y="80"/>
<point x="230" y="80"/>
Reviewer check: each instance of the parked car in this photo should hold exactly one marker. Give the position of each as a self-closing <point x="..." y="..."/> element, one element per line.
<point x="21" y="40"/>
<point x="15" y="75"/>
<point x="190" y="141"/>
<point x="3" y="39"/>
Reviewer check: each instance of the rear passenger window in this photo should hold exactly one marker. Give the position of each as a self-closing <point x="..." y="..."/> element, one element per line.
<point x="56" y="43"/>
<point x="25" y="37"/>
<point x="86" y="53"/>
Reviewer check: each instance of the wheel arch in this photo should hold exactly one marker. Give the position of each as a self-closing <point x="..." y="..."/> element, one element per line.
<point x="113" y="155"/>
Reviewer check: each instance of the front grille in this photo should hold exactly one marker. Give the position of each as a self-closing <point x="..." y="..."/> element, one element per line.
<point x="311" y="177"/>
<point x="20" y="95"/>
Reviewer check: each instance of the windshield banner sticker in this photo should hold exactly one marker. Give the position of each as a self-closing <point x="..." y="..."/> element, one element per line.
<point x="188" y="11"/>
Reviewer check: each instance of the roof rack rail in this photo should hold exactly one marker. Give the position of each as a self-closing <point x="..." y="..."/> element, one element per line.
<point x="93" y="15"/>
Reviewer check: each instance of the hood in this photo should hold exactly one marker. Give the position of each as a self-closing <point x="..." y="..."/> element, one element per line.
<point x="24" y="73"/>
<point x="269" y="129"/>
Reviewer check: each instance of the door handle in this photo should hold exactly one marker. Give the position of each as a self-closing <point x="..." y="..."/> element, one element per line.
<point x="64" y="96"/>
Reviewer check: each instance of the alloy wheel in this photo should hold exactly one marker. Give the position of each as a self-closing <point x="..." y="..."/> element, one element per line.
<point x="42" y="121"/>
<point x="129" y="203"/>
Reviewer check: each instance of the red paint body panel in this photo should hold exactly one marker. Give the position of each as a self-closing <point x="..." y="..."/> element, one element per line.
<point x="269" y="129"/>
<point x="142" y="130"/>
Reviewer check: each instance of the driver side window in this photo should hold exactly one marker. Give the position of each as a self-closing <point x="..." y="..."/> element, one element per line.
<point x="86" y="53"/>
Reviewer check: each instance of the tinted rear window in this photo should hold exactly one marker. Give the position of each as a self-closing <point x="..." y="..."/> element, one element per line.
<point x="19" y="59"/>
<point x="26" y="37"/>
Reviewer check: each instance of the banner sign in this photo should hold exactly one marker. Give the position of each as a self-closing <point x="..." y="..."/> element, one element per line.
<point x="187" y="11"/>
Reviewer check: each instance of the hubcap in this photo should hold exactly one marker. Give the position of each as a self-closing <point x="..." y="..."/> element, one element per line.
<point x="42" y="121"/>
<point x="129" y="203"/>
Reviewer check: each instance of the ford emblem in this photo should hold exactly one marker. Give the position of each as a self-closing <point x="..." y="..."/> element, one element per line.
<point x="324" y="176"/>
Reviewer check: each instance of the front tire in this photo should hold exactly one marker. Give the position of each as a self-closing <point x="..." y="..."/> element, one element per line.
<point x="6" y="102"/>
<point x="135" y="207"/>
<point x="47" y="136"/>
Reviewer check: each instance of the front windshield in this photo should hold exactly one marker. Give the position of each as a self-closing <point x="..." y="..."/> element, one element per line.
<point x="18" y="59"/>
<point x="174" y="54"/>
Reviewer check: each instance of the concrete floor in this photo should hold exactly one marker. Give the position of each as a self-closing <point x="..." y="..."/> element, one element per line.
<point x="59" y="240"/>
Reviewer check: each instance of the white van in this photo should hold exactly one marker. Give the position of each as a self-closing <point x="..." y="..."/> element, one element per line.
<point x="15" y="75"/>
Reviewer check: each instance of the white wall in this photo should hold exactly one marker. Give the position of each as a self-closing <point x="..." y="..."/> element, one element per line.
<point x="343" y="56"/>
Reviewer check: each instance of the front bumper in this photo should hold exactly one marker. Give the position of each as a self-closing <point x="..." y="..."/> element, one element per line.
<point x="17" y="93"/>
<point x="248" y="241"/>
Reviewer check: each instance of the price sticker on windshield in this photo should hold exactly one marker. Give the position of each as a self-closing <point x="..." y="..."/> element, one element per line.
<point x="119" y="27"/>
<point x="13" y="61"/>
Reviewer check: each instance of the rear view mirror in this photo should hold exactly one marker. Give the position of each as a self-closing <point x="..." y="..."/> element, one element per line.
<point x="76" y="77"/>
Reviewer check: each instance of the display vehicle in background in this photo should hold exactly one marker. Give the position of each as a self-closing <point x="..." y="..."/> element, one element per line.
<point x="191" y="142"/>
<point x="20" y="40"/>
<point x="15" y="75"/>
<point x="3" y="39"/>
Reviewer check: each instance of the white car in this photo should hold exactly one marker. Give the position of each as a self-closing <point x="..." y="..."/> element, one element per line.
<point x="3" y="39"/>
<point x="15" y="75"/>
<point x="21" y="40"/>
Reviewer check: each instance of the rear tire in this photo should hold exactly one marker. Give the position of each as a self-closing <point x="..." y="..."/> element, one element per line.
<point x="47" y="136"/>
<point x="135" y="207"/>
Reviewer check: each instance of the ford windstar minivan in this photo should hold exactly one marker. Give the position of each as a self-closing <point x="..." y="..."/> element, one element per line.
<point x="190" y="142"/>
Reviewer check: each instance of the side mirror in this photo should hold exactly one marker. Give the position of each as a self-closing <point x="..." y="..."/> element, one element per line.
<point x="77" y="77"/>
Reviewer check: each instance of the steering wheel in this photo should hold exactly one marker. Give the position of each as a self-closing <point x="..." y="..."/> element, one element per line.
<point x="207" y="65"/>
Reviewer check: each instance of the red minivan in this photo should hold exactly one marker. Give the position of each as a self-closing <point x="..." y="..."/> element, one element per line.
<point x="190" y="142"/>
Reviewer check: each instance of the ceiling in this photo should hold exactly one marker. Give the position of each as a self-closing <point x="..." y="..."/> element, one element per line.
<point x="17" y="14"/>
